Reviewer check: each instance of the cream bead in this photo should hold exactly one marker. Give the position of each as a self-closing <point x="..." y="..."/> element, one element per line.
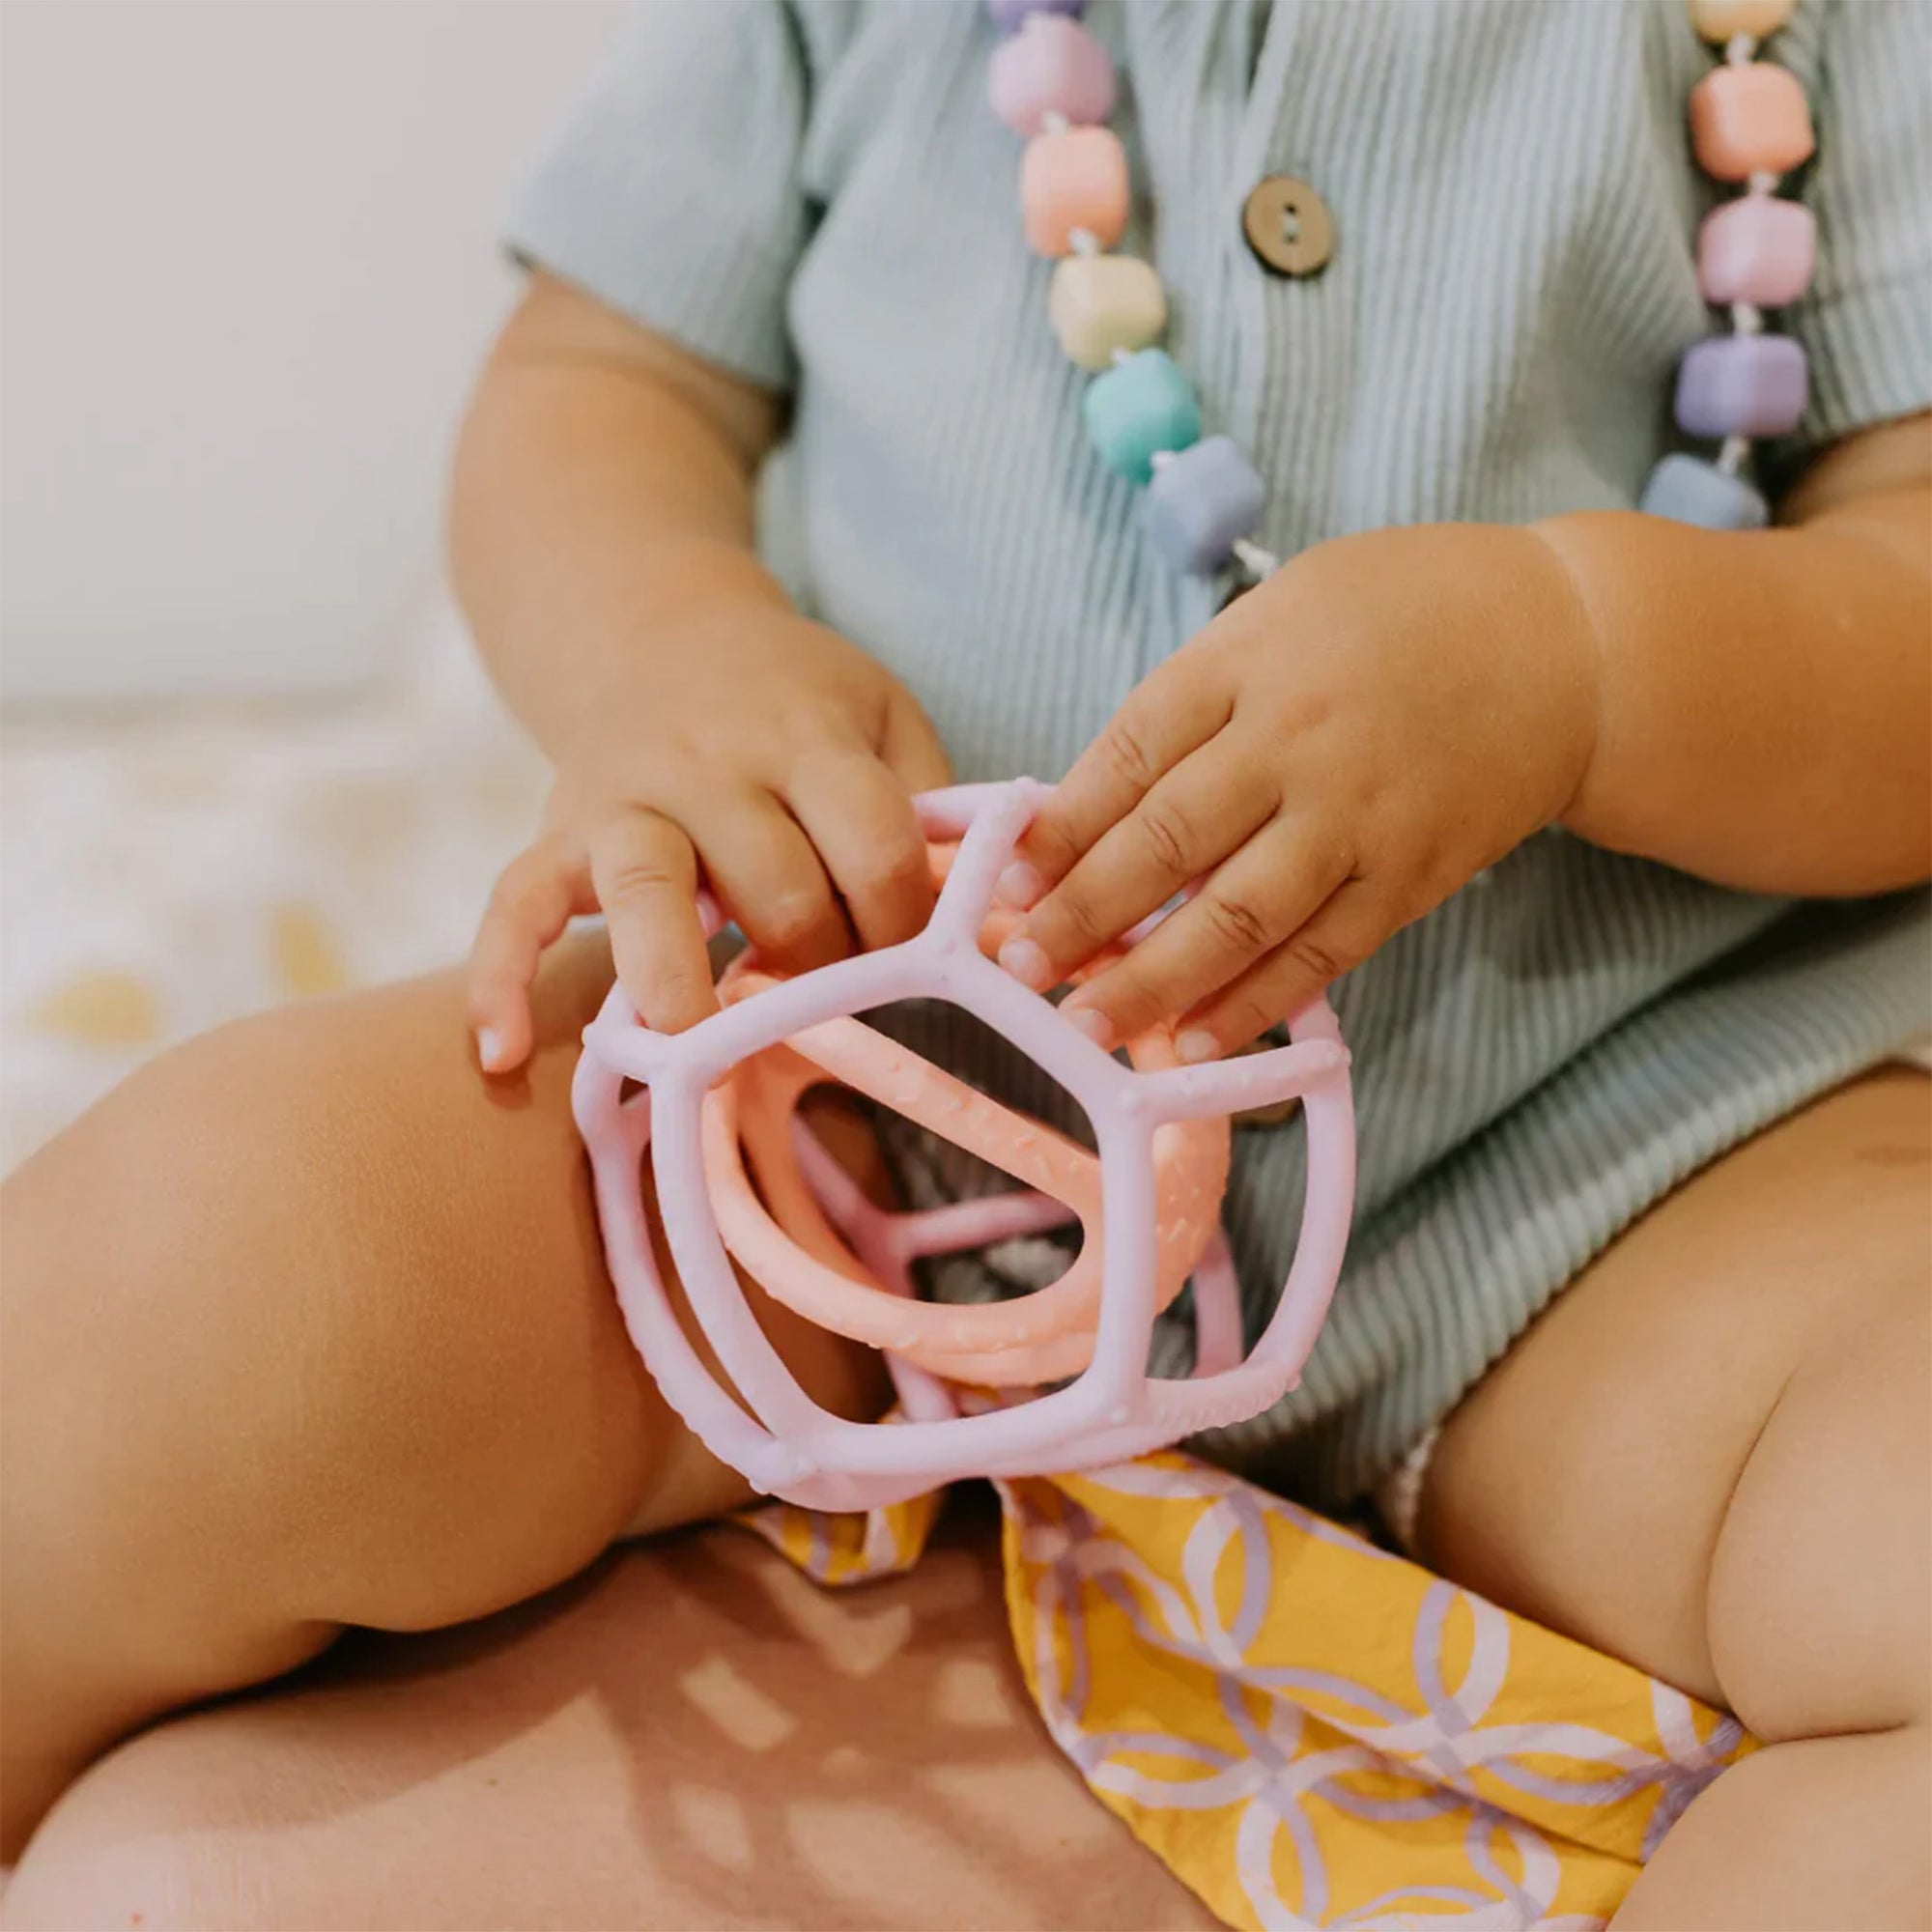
<point x="1721" y="20"/>
<point x="1100" y="304"/>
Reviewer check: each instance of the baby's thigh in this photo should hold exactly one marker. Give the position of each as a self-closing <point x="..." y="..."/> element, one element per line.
<point x="692" y="1735"/>
<point x="311" y="1308"/>
<point x="319" y="1296"/>
<point x="1712" y="1455"/>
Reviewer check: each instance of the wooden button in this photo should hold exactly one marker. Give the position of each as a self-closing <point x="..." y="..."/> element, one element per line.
<point x="1288" y="226"/>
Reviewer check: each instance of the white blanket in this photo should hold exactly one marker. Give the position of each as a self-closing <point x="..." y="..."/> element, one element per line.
<point x="167" y="872"/>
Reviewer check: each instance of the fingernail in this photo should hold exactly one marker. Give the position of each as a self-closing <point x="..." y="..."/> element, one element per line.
<point x="489" y="1048"/>
<point x="1097" y="1026"/>
<point x="1196" y="1045"/>
<point x="1019" y="886"/>
<point x="1028" y="963"/>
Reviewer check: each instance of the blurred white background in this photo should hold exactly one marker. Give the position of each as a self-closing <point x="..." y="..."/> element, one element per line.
<point x="247" y="269"/>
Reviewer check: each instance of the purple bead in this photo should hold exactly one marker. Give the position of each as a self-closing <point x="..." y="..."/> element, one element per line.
<point x="1742" y="385"/>
<point x="1007" y="15"/>
<point x="1201" y="501"/>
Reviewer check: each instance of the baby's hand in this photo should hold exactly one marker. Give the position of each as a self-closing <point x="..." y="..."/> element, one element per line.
<point x="1335" y="754"/>
<point x="761" y="752"/>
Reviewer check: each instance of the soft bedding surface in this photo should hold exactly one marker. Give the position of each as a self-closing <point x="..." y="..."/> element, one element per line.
<point x="167" y="872"/>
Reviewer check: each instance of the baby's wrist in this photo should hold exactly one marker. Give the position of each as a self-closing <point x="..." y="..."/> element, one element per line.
<point x="661" y="646"/>
<point x="1571" y="567"/>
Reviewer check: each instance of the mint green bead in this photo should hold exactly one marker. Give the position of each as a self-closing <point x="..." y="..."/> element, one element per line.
<point x="1140" y="406"/>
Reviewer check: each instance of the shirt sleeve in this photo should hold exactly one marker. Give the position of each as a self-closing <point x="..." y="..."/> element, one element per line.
<point x="672" y="194"/>
<point x="1866" y="319"/>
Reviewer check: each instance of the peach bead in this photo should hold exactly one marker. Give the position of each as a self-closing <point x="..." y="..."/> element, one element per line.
<point x="1100" y="304"/>
<point x="1070" y="181"/>
<point x="1722" y="21"/>
<point x="1744" y="118"/>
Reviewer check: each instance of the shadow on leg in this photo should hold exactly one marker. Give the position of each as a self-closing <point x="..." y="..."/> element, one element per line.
<point x="693" y="1736"/>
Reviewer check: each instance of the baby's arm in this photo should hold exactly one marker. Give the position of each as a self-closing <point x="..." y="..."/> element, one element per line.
<point x="601" y="537"/>
<point x="1762" y="699"/>
<point x="1390" y="713"/>
<point x="602" y="487"/>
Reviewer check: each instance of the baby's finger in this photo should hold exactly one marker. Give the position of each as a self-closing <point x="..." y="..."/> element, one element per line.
<point x="1191" y="820"/>
<point x="647" y="879"/>
<point x="1246" y="909"/>
<point x="1169" y="715"/>
<point x="763" y="869"/>
<point x="531" y="904"/>
<point x="1347" y="927"/>
<point x="861" y="819"/>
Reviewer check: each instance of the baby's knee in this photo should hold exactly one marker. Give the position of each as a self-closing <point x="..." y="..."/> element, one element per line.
<point x="147" y="1837"/>
<point x="1821" y="1579"/>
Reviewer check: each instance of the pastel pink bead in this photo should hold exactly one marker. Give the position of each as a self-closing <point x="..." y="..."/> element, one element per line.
<point x="1744" y="118"/>
<point x="1757" y="249"/>
<point x="1073" y="181"/>
<point x="1052" y="66"/>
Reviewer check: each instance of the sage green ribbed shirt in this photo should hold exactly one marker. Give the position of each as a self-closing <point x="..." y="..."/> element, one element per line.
<point x="817" y="195"/>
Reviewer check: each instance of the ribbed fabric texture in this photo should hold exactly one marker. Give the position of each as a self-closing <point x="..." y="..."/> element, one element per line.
<point x="818" y="196"/>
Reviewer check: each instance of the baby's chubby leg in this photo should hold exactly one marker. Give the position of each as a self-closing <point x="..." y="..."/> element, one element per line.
<point x="307" y="1325"/>
<point x="1713" y="1457"/>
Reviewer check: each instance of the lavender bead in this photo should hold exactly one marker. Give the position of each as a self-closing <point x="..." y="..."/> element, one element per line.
<point x="1687" y="490"/>
<point x="1742" y="385"/>
<point x="1201" y="499"/>
<point x="1010" y="15"/>
<point x="1050" y="67"/>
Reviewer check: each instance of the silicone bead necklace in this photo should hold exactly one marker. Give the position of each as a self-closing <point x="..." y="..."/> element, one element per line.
<point x="1053" y="83"/>
<point x="1750" y="124"/>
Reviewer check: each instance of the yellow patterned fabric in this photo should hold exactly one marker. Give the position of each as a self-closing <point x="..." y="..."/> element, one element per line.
<point x="1306" y="1729"/>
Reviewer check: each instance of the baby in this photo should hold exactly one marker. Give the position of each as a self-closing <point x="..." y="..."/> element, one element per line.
<point x="774" y="505"/>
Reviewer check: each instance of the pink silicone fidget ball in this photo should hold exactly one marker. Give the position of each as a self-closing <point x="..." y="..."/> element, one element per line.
<point x="740" y="1178"/>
